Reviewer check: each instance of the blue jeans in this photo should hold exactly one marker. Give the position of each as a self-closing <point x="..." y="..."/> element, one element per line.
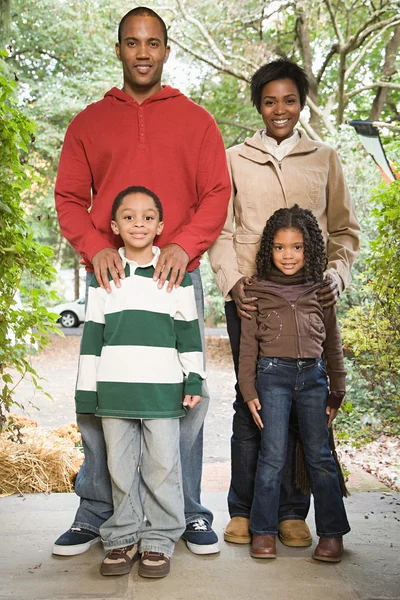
<point x="93" y="484"/>
<point x="154" y="490"/>
<point x="245" y="445"/>
<point x="303" y="382"/>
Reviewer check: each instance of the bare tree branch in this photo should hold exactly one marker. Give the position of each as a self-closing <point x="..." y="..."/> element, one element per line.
<point x="365" y="49"/>
<point x="239" y="125"/>
<point x="359" y="38"/>
<point x="210" y="62"/>
<point x="336" y="27"/>
<point x="334" y="50"/>
<point x="309" y="130"/>
<point x="372" y="86"/>
<point x="322" y="116"/>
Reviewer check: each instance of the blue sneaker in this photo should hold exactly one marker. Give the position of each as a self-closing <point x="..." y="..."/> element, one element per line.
<point x="200" y="538"/>
<point x="75" y="541"/>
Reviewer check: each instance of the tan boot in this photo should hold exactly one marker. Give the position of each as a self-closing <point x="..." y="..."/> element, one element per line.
<point x="238" y="531"/>
<point x="295" y="533"/>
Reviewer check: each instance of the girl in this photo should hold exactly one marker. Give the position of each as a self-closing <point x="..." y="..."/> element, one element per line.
<point x="286" y="351"/>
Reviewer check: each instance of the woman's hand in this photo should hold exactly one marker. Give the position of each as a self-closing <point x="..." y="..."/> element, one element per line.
<point x="328" y="295"/>
<point x="254" y="407"/>
<point x="243" y="303"/>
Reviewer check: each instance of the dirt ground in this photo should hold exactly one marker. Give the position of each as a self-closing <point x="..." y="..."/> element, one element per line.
<point x="57" y="364"/>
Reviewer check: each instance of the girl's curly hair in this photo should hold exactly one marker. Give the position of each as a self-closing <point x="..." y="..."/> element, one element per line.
<point x="315" y="260"/>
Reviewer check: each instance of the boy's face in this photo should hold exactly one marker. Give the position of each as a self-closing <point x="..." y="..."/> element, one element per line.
<point x="137" y="222"/>
<point x="288" y="251"/>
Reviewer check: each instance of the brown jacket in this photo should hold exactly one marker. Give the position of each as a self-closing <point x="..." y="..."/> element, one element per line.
<point x="310" y="175"/>
<point x="280" y="329"/>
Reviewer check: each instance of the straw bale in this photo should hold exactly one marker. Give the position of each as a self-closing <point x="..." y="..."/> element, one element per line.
<point x="44" y="462"/>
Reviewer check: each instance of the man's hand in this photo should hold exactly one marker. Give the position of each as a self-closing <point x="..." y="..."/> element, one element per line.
<point x="108" y="259"/>
<point x="329" y="294"/>
<point x="191" y="401"/>
<point x="332" y="412"/>
<point x="244" y="304"/>
<point x="254" y="407"/>
<point x="172" y="258"/>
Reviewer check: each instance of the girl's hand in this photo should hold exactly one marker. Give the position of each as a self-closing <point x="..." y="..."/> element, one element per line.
<point x="332" y="412"/>
<point x="191" y="401"/>
<point x="254" y="407"/>
<point x="243" y="303"/>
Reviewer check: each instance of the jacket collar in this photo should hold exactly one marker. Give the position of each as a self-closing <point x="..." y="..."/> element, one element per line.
<point x="255" y="150"/>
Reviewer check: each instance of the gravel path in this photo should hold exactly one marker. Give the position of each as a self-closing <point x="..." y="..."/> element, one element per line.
<point x="57" y="364"/>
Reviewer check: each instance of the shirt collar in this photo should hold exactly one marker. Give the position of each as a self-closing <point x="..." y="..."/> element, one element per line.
<point x="270" y="141"/>
<point x="152" y="263"/>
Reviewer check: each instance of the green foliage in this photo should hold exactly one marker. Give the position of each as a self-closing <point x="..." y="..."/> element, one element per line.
<point x="371" y="329"/>
<point x="214" y="313"/>
<point x="19" y="253"/>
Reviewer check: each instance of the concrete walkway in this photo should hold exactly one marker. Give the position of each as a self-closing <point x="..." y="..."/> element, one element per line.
<point x="370" y="569"/>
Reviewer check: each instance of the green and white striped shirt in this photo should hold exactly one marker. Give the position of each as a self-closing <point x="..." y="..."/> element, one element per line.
<point x="141" y="347"/>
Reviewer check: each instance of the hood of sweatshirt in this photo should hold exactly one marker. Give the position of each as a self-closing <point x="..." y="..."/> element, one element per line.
<point x="165" y="93"/>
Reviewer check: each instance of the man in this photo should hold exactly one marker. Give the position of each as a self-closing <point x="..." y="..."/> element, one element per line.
<point x="150" y="135"/>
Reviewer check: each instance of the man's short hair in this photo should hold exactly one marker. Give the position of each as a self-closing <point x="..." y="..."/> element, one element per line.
<point x="143" y="11"/>
<point x="279" y="69"/>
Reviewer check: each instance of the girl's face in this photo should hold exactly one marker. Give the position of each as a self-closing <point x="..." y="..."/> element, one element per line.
<point x="280" y="108"/>
<point x="288" y="251"/>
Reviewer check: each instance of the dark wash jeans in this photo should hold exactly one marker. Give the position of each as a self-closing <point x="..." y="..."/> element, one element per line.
<point x="245" y="445"/>
<point x="280" y="383"/>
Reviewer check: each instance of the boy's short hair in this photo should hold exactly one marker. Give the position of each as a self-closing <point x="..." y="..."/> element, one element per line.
<point x="143" y="11"/>
<point x="136" y="189"/>
<point x="279" y="69"/>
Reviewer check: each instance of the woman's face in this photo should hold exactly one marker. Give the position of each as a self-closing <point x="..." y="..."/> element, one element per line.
<point x="280" y="108"/>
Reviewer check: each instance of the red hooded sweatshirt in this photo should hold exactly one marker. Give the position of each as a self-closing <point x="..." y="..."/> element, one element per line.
<point x="168" y="144"/>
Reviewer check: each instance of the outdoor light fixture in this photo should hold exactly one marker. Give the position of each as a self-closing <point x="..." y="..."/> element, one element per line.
<point x="370" y="139"/>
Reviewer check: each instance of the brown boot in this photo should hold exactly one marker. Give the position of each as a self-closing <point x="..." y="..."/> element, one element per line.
<point x="263" y="546"/>
<point x="238" y="531"/>
<point x="329" y="549"/>
<point x="295" y="533"/>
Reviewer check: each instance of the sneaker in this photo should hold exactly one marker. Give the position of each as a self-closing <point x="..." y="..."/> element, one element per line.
<point x="154" y="564"/>
<point x="119" y="561"/>
<point x="75" y="541"/>
<point x="200" y="538"/>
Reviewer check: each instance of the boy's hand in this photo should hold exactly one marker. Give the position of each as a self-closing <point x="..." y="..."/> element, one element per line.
<point x="243" y="303"/>
<point x="191" y="401"/>
<point x="254" y="407"/>
<point x="332" y="412"/>
<point x="172" y="258"/>
<point x="106" y="260"/>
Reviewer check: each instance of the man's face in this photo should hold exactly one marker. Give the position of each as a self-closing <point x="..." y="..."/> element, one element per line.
<point x="143" y="53"/>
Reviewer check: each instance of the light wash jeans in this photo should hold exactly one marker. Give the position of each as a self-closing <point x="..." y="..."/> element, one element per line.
<point x="93" y="484"/>
<point x="145" y="470"/>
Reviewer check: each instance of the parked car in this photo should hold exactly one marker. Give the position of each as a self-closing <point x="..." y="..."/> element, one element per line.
<point x="72" y="314"/>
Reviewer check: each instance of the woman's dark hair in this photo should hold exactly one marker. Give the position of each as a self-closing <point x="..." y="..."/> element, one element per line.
<point x="315" y="260"/>
<point x="143" y="11"/>
<point x="279" y="69"/>
<point x="135" y="189"/>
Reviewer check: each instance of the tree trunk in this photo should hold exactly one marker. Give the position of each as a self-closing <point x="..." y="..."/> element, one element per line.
<point x="389" y="69"/>
<point x="76" y="275"/>
<point x="5" y="10"/>
<point x="303" y="34"/>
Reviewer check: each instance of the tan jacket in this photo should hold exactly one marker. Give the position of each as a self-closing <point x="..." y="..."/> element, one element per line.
<point x="279" y="328"/>
<point x="310" y="175"/>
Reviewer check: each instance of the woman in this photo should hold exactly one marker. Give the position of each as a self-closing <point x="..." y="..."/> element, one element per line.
<point x="278" y="167"/>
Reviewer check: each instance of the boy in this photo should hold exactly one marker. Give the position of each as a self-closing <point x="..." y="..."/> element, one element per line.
<point x="140" y="356"/>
